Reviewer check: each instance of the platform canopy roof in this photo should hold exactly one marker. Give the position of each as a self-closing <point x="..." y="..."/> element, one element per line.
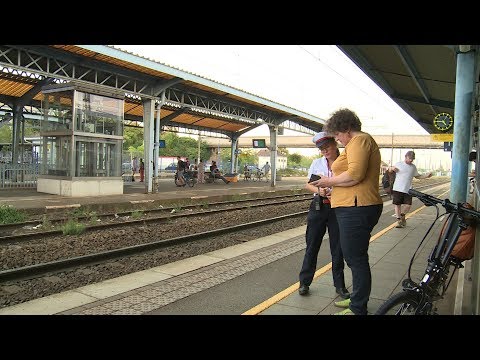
<point x="187" y="100"/>
<point x="419" y="78"/>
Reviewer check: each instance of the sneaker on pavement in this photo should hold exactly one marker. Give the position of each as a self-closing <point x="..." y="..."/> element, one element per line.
<point x="342" y="304"/>
<point x="345" y="312"/>
<point x="343" y="292"/>
<point x="303" y="290"/>
<point x="403" y="220"/>
<point x="400" y="224"/>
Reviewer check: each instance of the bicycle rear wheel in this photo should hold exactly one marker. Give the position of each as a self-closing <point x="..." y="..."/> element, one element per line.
<point x="403" y="303"/>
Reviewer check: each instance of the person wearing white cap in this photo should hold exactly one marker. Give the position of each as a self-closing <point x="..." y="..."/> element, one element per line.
<point x="319" y="218"/>
<point x="356" y="201"/>
<point x="405" y="172"/>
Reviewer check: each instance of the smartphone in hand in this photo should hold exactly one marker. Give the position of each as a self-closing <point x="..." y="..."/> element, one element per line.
<point x="314" y="178"/>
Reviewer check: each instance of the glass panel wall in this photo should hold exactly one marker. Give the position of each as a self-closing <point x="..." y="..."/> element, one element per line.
<point x="97" y="157"/>
<point x="91" y="145"/>
<point x="57" y="111"/>
<point x="98" y="114"/>
<point x="56" y="156"/>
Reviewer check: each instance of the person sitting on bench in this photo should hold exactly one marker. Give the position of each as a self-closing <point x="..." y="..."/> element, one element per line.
<point x="215" y="173"/>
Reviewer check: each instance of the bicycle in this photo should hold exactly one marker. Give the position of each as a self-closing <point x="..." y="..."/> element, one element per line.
<point x="419" y="298"/>
<point x="258" y="175"/>
<point x="188" y="179"/>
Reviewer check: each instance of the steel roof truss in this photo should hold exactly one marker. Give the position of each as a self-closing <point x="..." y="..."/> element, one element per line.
<point x="238" y="113"/>
<point x="411" y="68"/>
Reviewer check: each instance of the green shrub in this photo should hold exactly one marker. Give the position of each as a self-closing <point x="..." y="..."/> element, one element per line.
<point x="10" y="215"/>
<point x="46" y="223"/>
<point x="137" y="214"/>
<point x="72" y="227"/>
<point x="92" y="217"/>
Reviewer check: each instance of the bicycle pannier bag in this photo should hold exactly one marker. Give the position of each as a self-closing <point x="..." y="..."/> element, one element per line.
<point x="465" y="246"/>
<point x="387" y="181"/>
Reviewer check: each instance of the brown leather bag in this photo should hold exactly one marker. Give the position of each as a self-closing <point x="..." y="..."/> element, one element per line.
<point x="465" y="246"/>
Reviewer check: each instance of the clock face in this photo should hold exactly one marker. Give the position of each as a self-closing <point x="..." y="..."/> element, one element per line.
<point x="443" y="121"/>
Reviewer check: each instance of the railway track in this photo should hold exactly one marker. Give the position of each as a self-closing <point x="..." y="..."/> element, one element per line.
<point x="122" y="219"/>
<point x="39" y="269"/>
<point x="36" y="228"/>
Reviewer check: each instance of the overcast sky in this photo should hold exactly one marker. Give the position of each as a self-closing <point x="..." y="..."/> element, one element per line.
<point x="316" y="79"/>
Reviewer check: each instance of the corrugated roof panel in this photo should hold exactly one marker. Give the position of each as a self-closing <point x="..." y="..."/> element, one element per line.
<point x="131" y="108"/>
<point x="13" y="88"/>
<point x="17" y="86"/>
<point x="111" y="60"/>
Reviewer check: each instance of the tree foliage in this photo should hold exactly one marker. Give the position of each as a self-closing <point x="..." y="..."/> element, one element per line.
<point x="174" y="144"/>
<point x="5" y="134"/>
<point x="6" y="131"/>
<point x="132" y="137"/>
<point x="294" y="159"/>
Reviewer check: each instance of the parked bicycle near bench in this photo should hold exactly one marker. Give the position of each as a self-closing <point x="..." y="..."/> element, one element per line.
<point x="418" y="298"/>
<point x="185" y="178"/>
<point x="258" y="175"/>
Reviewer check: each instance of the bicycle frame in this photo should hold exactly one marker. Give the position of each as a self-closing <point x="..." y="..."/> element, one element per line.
<point x="436" y="279"/>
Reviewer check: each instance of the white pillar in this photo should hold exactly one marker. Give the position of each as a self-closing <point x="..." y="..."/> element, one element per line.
<point x="148" y="118"/>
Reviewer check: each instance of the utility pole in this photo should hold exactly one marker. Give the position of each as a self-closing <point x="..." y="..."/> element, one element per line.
<point x="198" y="150"/>
<point x="391" y="156"/>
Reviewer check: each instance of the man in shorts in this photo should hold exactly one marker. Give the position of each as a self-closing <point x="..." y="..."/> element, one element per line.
<point x="405" y="172"/>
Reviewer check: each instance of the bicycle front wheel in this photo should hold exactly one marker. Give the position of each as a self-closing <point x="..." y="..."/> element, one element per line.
<point x="191" y="182"/>
<point x="403" y="303"/>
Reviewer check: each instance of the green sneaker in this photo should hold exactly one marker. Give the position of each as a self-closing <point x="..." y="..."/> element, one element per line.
<point x="342" y="304"/>
<point x="345" y="312"/>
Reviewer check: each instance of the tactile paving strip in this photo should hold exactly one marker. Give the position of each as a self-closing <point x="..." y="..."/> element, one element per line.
<point x="155" y="296"/>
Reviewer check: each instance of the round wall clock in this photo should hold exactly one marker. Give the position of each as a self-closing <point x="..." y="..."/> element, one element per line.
<point x="443" y="121"/>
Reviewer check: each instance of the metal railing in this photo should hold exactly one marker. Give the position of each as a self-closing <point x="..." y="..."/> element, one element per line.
<point x="18" y="176"/>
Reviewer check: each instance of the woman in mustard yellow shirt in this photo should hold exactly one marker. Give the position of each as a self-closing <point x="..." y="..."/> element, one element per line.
<point x="356" y="200"/>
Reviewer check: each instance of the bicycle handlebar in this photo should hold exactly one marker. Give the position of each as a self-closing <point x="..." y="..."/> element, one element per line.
<point x="451" y="207"/>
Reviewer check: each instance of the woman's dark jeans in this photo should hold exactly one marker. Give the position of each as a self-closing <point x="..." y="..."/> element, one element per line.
<point x="356" y="224"/>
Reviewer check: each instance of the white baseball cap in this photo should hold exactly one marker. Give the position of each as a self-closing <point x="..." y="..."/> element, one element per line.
<point x="321" y="138"/>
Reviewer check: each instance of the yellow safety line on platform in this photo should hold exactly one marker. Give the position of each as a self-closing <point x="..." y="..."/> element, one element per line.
<point x="283" y="294"/>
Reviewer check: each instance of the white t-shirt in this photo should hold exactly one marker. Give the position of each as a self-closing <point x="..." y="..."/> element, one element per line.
<point x="404" y="176"/>
<point x="319" y="167"/>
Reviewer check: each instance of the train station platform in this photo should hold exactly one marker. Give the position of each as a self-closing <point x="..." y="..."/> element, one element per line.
<point x="148" y="291"/>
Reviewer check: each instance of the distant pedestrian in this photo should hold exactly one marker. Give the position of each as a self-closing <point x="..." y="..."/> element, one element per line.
<point x="142" y="170"/>
<point x="181" y="167"/>
<point x="266" y="170"/>
<point x="405" y="172"/>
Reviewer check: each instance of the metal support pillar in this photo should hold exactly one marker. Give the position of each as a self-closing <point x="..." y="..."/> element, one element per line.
<point x="464" y="91"/>
<point x="16" y="129"/>
<point x="156" y="142"/>
<point x="148" y="119"/>
<point x="234" y="154"/>
<point x="273" y="154"/>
